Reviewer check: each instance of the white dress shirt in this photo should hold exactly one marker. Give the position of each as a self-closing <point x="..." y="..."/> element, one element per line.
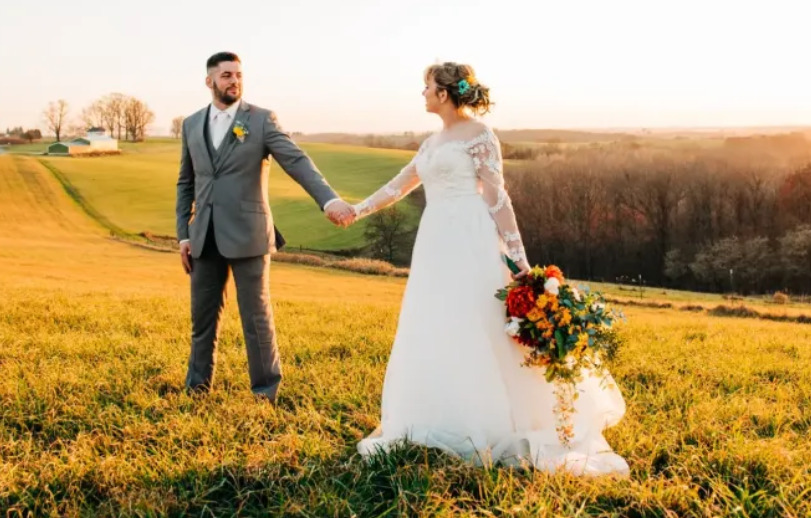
<point x="219" y="121"/>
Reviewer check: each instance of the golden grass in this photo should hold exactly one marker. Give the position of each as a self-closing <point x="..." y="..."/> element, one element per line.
<point x="94" y="335"/>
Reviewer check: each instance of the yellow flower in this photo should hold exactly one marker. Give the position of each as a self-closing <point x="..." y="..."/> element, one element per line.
<point x="535" y="315"/>
<point x="564" y="317"/>
<point x="542" y="301"/>
<point x="583" y="340"/>
<point x="238" y="131"/>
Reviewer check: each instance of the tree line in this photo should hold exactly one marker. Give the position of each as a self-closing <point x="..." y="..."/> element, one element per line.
<point x="733" y="215"/>
<point x="725" y="215"/>
<point x="122" y="116"/>
<point x="29" y="135"/>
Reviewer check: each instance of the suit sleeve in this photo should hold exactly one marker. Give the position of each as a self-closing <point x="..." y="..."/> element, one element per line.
<point x="185" y="189"/>
<point x="295" y="162"/>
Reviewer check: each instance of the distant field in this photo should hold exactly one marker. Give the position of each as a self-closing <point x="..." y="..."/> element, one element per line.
<point x="136" y="190"/>
<point x="36" y="147"/>
<point x="42" y="146"/>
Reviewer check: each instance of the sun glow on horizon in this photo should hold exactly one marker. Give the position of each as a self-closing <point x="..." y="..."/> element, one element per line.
<point x="357" y="66"/>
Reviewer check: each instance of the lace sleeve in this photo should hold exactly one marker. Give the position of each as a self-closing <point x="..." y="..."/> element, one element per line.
<point x="486" y="152"/>
<point x="396" y="189"/>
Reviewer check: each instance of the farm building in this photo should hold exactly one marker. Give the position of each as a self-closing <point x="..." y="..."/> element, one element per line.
<point x="96" y="141"/>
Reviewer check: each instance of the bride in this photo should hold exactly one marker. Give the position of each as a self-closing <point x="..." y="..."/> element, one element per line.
<point x="454" y="380"/>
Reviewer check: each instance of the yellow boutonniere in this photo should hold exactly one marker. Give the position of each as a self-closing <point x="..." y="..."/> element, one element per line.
<point x="240" y="131"/>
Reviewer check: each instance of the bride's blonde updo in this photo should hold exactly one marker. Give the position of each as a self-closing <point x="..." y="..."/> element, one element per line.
<point x="462" y="86"/>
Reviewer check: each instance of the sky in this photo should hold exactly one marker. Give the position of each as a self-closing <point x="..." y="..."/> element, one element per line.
<point x="357" y="65"/>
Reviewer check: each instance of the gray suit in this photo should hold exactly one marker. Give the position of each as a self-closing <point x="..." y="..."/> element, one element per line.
<point x="222" y="208"/>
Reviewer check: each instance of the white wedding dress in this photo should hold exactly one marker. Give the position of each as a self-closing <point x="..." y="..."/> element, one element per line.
<point x="454" y="380"/>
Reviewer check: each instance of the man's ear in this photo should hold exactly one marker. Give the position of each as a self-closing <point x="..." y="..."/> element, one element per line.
<point x="209" y="81"/>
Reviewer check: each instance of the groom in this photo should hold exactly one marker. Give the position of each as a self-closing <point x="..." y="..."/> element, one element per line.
<point x="224" y="221"/>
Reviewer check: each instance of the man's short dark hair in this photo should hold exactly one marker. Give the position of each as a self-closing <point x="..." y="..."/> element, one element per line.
<point x="221" y="57"/>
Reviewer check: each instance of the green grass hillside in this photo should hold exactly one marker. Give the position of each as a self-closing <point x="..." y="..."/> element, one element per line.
<point x="136" y="190"/>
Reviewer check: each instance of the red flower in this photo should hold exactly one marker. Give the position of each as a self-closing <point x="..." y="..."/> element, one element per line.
<point x="520" y="301"/>
<point x="525" y="341"/>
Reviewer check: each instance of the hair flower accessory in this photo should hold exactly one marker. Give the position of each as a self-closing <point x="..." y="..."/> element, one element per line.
<point x="464" y="86"/>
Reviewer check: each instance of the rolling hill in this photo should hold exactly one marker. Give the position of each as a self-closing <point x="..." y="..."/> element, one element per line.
<point x="136" y="190"/>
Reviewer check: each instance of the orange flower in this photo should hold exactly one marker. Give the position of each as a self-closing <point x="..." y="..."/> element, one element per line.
<point x="542" y="361"/>
<point x="543" y="324"/>
<point x="553" y="271"/>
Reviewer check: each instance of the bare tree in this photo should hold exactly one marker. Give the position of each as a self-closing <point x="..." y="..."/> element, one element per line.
<point x="32" y="135"/>
<point x="652" y="193"/>
<point x="581" y="206"/>
<point x="177" y="126"/>
<point x="388" y="234"/>
<point x="137" y="117"/>
<point x="93" y="115"/>
<point x="113" y="110"/>
<point x="75" y="128"/>
<point x="55" y="115"/>
<point x="795" y="197"/>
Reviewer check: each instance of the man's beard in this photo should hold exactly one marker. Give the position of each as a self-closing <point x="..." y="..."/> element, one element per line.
<point x="224" y="97"/>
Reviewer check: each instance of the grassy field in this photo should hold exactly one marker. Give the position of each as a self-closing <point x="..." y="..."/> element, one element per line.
<point x="93" y="419"/>
<point x="136" y="190"/>
<point x="36" y="147"/>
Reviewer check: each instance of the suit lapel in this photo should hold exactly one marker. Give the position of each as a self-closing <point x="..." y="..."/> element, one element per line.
<point x="230" y="141"/>
<point x="202" y="137"/>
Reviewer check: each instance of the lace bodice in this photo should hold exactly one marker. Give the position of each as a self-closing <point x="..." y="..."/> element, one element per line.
<point x="452" y="169"/>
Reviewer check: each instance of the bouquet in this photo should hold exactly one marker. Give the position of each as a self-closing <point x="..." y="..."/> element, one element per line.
<point x="565" y="331"/>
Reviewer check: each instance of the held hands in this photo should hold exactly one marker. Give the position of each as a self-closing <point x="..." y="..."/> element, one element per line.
<point x="341" y="213"/>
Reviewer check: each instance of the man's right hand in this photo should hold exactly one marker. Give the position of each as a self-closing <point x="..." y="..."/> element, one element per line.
<point x="185" y="256"/>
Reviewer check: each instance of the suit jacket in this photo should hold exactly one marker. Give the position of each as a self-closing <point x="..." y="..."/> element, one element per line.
<point x="230" y="184"/>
